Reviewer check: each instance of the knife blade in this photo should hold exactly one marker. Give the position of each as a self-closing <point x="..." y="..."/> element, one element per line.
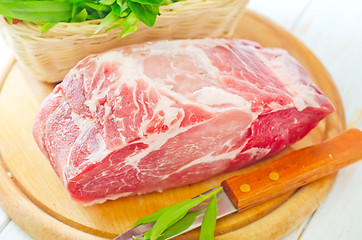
<point x="287" y="173"/>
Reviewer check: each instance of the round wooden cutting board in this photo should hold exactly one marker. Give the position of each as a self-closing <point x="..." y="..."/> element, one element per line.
<point x="33" y="196"/>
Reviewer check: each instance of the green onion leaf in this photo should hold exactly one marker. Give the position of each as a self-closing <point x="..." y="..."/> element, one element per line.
<point x="74" y="10"/>
<point x="146" y="13"/>
<point x="117" y="9"/>
<point x="81" y="16"/>
<point x="97" y="7"/>
<point x="108" y="20"/>
<point x="169" y="209"/>
<point x="181" y="225"/>
<point x="37" y="11"/>
<point x="124" y="6"/>
<point x="10" y="19"/>
<point x="136" y="238"/>
<point x="46" y="26"/>
<point x="169" y="218"/>
<point x="76" y="1"/>
<point x="107" y="2"/>
<point x="130" y="25"/>
<point x="209" y="220"/>
<point x="151" y="2"/>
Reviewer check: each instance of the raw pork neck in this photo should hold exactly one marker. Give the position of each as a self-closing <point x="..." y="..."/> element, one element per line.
<point x="159" y="115"/>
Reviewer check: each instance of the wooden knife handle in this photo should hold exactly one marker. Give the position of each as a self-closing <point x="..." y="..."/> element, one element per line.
<point x="295" y="169"/>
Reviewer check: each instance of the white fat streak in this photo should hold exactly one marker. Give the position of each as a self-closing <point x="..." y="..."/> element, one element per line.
<point x="91" y="104"/>
<point x="167" y="105"/>
<point x="256" y="153"/>
<point x="108" y="197"/>
<point x="128" y="63"/>
<point x="127" y="75"/>
<point x="126" y="68"/>
<point x="216" y="96"/>
<point x="99" y="154"/>
<point x="84" y="125"/>
<point x="155" y="142"/>
<point x="209" y="159"/>
<point x="97" y="95"/>
<point x="276" y="106"/>
<point x="208" y="97"/>
<point x="285" y="69"/>
<point x="246" y="63"/>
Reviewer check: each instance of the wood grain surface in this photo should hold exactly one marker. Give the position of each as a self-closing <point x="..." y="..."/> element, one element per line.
<point x="34" y="197"/>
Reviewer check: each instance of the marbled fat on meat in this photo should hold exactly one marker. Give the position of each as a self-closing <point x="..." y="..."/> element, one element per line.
<point x="159" y="115"/>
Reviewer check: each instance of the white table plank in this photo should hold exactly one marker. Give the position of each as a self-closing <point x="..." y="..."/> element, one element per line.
<point x="14" y="232"/>
<point x="4" y="219"/>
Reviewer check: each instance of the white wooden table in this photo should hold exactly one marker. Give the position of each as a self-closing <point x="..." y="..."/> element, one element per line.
<point x="333" y="31"/>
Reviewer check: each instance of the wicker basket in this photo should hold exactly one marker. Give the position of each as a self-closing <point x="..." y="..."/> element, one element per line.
<point x="50" y="56"/>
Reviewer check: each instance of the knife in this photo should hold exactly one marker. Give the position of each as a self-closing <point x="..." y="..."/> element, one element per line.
<point x="287" y="173"/>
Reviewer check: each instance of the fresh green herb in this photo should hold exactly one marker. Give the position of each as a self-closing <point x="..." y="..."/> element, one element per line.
<point x="174" y="219"/>
<point x="37" y="11"/>
<point x="46" y="26"/>
<point x="123" y="14"/>
<point x="181" y="225"/>
<point x="136" y="238"/>
<point x="209" y="220"/>
<point x="146" y="13"/>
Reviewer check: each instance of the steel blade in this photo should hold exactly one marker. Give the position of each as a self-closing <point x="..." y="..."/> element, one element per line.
<point x="135" y="232"/>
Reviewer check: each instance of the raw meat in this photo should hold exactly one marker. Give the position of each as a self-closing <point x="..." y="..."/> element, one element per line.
<point x="159" y="115"/>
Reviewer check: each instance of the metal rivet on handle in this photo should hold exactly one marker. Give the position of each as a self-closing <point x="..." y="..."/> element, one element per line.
<point x="274" y="176"/>
<point x="245" y="188"/>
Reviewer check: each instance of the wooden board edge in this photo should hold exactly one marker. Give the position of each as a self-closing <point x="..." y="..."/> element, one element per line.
<point x="32" y="219"/>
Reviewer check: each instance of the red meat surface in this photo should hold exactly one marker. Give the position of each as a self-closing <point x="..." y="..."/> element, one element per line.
<point x="154" y="116"/>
